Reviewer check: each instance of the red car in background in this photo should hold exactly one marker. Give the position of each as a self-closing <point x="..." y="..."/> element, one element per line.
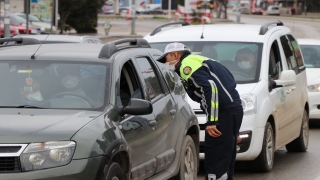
<point x="20" y="24"/>
<point x="13" y="31"/>
<point x="257" y="11"/>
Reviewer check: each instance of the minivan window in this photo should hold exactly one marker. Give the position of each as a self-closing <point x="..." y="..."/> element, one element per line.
<point x="296" y="50"/>
<point x="289" y="53"/>
<point x="226" y="54"/>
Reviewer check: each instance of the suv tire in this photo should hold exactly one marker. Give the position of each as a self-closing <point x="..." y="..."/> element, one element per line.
<point x="300" y="144"/>
<point x="115" y="172"/>
<point x="188" y="161"/>
<point x="264" y="162"/>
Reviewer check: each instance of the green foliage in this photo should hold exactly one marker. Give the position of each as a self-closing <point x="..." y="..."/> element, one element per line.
<point x="84" y="19"/>
<point x="66" y="7"/>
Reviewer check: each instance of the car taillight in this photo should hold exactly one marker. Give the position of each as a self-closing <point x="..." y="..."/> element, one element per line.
<point x="261" y="10"/>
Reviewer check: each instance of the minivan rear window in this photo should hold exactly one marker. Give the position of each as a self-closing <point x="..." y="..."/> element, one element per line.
<point x="230" y="55"/>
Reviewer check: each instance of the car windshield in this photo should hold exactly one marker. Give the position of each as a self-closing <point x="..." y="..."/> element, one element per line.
<point x="311" y="55"/>
<point x="241" y="58"/>
<point x="32" y="18"/>
<point x="53" y="85"/>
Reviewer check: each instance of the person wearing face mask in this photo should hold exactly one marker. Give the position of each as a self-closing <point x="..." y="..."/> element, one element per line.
<point x="246" y="61"/>
<point x="70" y="78"/>
<point x="212" y="85"/>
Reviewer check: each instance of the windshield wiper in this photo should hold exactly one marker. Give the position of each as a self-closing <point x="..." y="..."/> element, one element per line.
<point x="29" y="106"/>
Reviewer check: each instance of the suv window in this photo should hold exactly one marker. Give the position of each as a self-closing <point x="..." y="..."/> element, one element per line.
<point x="226" y="53"/>
<point x="275" y="66"/>
<point x="54" y="85"/>
<point x="150" y="78"/>
<point x="288" y="51"/>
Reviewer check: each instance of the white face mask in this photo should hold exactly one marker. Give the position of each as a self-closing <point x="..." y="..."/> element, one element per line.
<point x="35" y="96"/>
<point x="244" y="65"/>
<point x="70" y="82"/>
<point x="170" y="67"/>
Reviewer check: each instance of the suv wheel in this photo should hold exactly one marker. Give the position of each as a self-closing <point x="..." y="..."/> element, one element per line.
<point x="264" y="162"/>
<point x="115" y="172"/>
<point x="301" y="143"/>
<point x="188" y="161"/>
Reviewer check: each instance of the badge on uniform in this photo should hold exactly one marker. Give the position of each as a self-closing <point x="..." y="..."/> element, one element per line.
<point x="187" y="70"/>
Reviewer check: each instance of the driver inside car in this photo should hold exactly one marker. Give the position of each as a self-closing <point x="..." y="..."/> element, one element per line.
<point x="246" y="61"/>
<point x="70" y="78"/>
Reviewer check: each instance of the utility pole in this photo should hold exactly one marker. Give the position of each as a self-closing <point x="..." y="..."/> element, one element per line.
<point x="238" y="11"/>
<point x="7" y="18"/>
<point x="305" y="7"/>
<point x="27" y="16"/>
<point x="169" y="9"/>
<point x="133" y="17"/>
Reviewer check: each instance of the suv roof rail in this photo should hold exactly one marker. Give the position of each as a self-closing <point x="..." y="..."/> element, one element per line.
<point x="264" y="28"/>
<point x="19" y="41"/>
<point x="111" y="47"/>
<point x="158" y="29"/>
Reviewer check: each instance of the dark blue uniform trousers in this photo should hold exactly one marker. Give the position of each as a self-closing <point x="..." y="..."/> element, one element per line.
<point x="220" y="152"/>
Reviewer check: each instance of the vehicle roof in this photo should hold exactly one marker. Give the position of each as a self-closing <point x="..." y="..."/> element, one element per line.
<point x="220" y="32"/>
<point x="308" y="41"/>
<point x="61" y="38"/>
<point x="65" y="52"/>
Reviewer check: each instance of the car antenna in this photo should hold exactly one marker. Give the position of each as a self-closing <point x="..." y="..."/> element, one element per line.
<point x="202" y="29"/>
<point x="34" y="55"/>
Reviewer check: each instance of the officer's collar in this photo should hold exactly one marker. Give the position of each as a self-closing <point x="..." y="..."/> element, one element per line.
<point x="179" y="63"/>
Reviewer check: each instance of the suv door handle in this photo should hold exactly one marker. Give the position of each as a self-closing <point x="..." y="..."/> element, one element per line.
<point x="153" y="123"/>
<point x="173" y="112"/>
<point x="293" y="88"/>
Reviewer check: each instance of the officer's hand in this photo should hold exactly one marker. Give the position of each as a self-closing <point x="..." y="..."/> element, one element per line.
<point x="239" y="139"/>
<point x="213" y="131"/>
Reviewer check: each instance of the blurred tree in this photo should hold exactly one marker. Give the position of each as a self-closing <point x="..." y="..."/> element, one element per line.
<point x="85" y="18"/>
<point x="67" y="7"/>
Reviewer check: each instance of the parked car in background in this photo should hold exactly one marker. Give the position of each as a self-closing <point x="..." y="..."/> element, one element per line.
<point x="13" y="30"/>
<point x="45" y="27"/>
<point x="52" y="39"/>
<point x="93" y="112"/>
<point x="150" y="9"/>
<point x="243" y="10"/>
<point x="311" y="54"/>
<point x="20" y="23"/>
<point x="257" y="11"/>
<point x="273" y="10"/>
<point x="273" y="92"/>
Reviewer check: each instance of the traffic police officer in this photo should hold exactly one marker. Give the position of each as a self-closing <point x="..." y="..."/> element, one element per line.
<point x="213" y="86"/>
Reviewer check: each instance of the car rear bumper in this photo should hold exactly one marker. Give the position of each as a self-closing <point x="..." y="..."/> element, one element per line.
<point x="314" y="103"/>
<point x="84" y="169"/>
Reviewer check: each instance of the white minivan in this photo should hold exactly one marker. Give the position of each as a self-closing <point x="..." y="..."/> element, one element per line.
<point x="273" y="94"/>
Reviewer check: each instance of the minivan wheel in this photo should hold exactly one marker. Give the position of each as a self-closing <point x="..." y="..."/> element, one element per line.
<point x="264" y="162"/>
<point x="188" y="161"/>
<point x="115" y="172"/>
<point x="300" y="144"/>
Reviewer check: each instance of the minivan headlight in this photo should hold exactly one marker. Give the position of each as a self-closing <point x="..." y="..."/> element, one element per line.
<point x="314" y="88"/>
<point x="47" y="155"/>
<point x="249" y="104"/>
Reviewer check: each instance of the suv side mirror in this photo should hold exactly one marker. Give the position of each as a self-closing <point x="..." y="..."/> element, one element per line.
<point x="136" y="107"/>
<point x="287" y="78"/>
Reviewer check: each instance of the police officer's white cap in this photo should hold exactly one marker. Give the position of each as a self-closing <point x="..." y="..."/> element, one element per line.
<point x="172" y="47"/>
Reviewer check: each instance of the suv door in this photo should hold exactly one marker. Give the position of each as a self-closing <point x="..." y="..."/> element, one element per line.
<point x="140" y="131"/>
<point x="164" y="110"/>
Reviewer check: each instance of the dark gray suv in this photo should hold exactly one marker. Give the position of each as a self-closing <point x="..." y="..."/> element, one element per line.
<point x="91" y="112"/>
